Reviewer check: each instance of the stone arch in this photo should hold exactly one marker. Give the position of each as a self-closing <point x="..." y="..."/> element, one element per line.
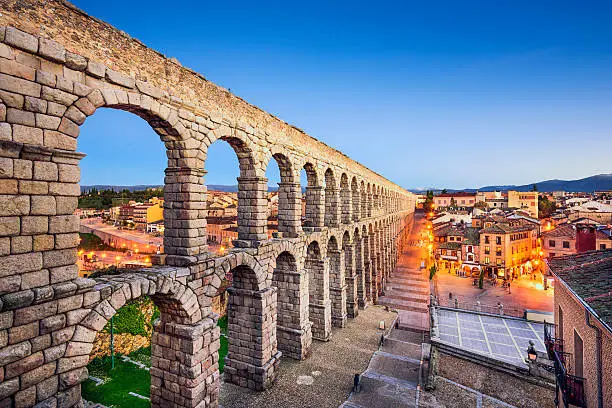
<point x="317" y="269"/>
<point x="315" y="202"/>
<point x="185" y="165"/>
<point x="332" y="210"/>
<point x="364" y="201"/>
<point x="180" y="322"/>
<point x="348" y="249"/>
<point x="252" y="188"/>
<point x="369" y="200"/>
<point x="356" y="196"/>
<point x="359" y="268"/>
<point x="292" y="323"/>
<point x="337" y="282"/>
<point x="289" y="196"/>
<point x="345" y="199"/>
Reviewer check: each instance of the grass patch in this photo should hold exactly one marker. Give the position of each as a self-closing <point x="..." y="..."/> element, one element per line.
<point x="124" y="378"/>
<point x="222" y="353"/>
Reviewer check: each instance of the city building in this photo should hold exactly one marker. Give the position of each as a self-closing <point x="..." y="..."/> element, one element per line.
<point x="524" y="200"/>
<point x="506" y="248"/>
<point x="595" y="210"/>
<point x="144" y="214"/>
<point x="470" y="252"/>
<point x="563" y="240"/>
<point x="459" y="200"/>
<point x="581" y="343"/>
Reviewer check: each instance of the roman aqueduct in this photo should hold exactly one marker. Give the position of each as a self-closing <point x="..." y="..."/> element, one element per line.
<point x="57" y="67"/>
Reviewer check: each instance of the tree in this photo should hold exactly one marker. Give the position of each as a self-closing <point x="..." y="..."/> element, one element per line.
<point x="444" y="191"/>
<point x="545" y="207"/>
<point x="534" y="187"/>
<point x="453" y="203"/>
<point x="428" y="204"/>
<point x="481" y="205"/>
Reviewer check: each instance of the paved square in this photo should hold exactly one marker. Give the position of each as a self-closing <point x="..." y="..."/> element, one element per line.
<point x="502" y="338"/>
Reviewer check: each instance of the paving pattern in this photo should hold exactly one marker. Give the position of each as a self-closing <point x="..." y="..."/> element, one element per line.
<point x="502" y="338"/>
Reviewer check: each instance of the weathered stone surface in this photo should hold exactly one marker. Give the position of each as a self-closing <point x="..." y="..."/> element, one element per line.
<point x="52" y="50"/>
<point x="20" y="39"/>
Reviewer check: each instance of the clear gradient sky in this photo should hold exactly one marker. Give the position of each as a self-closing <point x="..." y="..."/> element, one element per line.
<point x="450" y="94"/>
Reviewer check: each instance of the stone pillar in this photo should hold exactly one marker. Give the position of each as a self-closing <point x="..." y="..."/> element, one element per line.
<point x="374" y="267"/>
<point x="185" y="365"/>
<point x="184" y="215"/>
<point x="364" y="204"/>
<point x="337" y="287"/>
<point x="315" y="207"/>
<point x="252" y="358"/>
<point x="319" y="302"/>
<point x="360" y="272"/>
<point x="356" y="204"/>
<point x="293" y="327"/>
<point x="289" y="209"/>
<point x="332" y="207"/>
<point x="252" y="210"/>
<point x="345" y="197"/>
<point x="352" y="308"/>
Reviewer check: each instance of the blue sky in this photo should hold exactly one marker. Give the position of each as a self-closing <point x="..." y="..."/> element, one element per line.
<point x="444" y="93"/>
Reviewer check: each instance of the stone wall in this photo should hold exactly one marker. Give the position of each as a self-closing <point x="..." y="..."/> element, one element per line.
<point x="57" y="67"/>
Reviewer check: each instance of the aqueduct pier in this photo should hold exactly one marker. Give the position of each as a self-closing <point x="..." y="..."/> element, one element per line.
<point x="57" y="67"/>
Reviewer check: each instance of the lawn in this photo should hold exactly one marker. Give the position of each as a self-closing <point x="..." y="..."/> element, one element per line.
<point x="125" y="377"/>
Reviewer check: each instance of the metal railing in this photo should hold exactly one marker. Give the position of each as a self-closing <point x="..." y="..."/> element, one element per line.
<point x="511" y="311"/>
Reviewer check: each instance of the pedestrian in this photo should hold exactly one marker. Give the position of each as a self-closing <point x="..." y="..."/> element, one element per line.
<point x="509" y="288"/>
<point x="450" y="295"/>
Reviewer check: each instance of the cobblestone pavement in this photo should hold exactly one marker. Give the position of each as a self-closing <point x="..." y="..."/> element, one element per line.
<point x="325" y="378"/>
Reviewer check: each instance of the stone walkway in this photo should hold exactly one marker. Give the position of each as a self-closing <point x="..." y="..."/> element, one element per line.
<point x="407" y="289"/>
<point x="392" y="377"/>
<point x="325" y="378"/>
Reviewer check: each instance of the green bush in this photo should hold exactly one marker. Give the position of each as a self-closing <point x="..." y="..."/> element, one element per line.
<point x="133" y="318"/>
<point x="432" y="272"/>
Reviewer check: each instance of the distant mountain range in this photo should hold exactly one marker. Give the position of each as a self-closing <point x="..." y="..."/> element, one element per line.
<point x="588" y="185"/>
<point x="140" y="187"/>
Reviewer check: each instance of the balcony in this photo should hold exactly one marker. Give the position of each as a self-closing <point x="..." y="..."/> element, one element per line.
<point x="571" y="386"/>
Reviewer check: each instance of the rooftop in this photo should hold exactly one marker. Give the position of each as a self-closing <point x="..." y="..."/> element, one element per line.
<point x="568" y="231"/>
<point x="589" y="275"/>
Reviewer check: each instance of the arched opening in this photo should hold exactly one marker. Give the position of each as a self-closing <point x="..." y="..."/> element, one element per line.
<point x="367" y="261"/>
<point x="246" y="203"/>
<point x="369" y="198"/>
<point x="314" y="205"/>
<point x="332" y="210"/>
<point x="359" y="268"/>
<point x="284" y="201"/>
<point x="123" y="229"/>
<point x="345" y="199"/>
<point x="337" y="283"/>
<point x="318" y="289"/>
<point x="364" y="200"/>
<point x="356" y="195"/>
<point x="222" y="173"/>
<point x="350" y="275"/>
<point x="373" y="265"/>
<point x="292" y="323"/>
<point x="251" y="332"/>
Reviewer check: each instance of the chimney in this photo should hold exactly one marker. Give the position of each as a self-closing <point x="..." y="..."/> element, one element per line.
<point x="585" y="238"/>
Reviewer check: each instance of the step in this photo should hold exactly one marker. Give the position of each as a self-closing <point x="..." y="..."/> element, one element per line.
<point x="383" y="392"/>
<point x="402" y="348"/>
<point x="407" y="336"/>
<point x="403" y="304"/>
<point x="398" y="293"/>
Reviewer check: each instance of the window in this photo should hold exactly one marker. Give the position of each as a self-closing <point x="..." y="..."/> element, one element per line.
<point x="487" y="250"/>
<point x="551" y="243"/>
<point x="578" y="350"/>
<point x="552" y="254"/>
<point x="451" y="238"/>
<point x="565" y="244"/>
<point x="486" y="239"/>
<point x="498" y="261"/>
<point x="602" y="246"/>
<point x="498" y="240"/>
<point x="498" y="252"/>
<point x="471" y="249"/>
<point x="487" y="260"/>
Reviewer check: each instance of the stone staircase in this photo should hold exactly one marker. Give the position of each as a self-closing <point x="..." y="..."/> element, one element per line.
<point x="393" y="375"/>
